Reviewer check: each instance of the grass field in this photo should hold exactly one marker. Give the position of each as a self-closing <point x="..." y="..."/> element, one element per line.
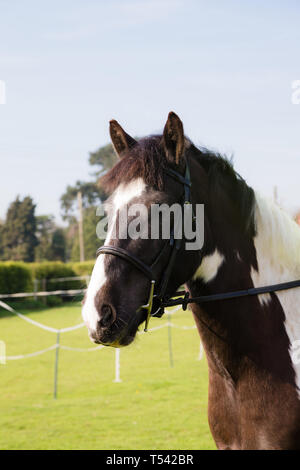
<point x="155" y="406"/>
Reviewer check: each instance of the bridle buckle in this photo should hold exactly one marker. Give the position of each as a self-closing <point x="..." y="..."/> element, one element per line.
<point x="148" y="305"/>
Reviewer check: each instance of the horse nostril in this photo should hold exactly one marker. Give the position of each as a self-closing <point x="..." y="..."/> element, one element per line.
<point x="107" y="316"/>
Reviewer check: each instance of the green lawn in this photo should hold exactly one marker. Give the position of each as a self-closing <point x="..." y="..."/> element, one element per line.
<point x="155" y="406"/>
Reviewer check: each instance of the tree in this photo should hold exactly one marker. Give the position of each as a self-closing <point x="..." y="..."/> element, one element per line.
<point x="105" y="158"/>
<point x="1" y="238"/>
<point x="92" y="194"/>
<point x="51" y="240"/>
<point x="58" y="245"/>
<point x="18" y="232"/>
<point x="44" y="229"/>
<point x="91" y="241"/>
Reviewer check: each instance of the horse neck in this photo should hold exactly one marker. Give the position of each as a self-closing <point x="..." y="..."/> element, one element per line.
<point x="261" y="328"/>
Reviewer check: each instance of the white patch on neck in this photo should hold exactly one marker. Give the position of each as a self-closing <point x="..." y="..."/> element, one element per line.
<point x="264" y="299"/>
<point x="277" y="246"/>
<point x="122" y="195"/>
<point x="209" y="267"/>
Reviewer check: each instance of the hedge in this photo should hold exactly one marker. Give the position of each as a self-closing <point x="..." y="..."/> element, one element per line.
<point x="19" y="276"/>
<point x="49" y="270"/>
<point x="83" y="268"/>
<point x="15" y="277"/>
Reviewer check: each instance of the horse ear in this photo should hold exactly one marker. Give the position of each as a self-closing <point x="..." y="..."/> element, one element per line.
<point x="120" y="139"/>
<point x="173" y="138"/>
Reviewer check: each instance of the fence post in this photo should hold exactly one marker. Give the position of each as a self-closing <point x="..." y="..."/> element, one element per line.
<point x="170" y="341"/>
<point x="80" y="226"/>
<point x="2" y="353"/>
<point x="35" y="288"/>
<point x="117" y="366"/>
<point x="56" y="365"/>
<point x="44" y="289"/>
<point x="200" y="352"/>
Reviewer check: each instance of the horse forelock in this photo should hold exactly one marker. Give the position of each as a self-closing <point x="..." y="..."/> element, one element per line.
<point x="146" y="160"/>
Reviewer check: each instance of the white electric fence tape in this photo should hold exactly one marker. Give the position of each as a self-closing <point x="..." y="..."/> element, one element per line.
<point x="25" y="356"/>
<point x="63" y="279"/>
<point x="20" y="295"/>
<point x="80" y="325"/>
<point x="69" y="348"/>
<point x="38" y="324"/>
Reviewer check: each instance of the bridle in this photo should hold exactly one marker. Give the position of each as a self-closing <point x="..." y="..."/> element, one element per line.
<point x="158" y="297"/>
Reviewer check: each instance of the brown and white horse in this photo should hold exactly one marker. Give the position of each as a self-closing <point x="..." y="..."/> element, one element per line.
<point x="254" y="385"/>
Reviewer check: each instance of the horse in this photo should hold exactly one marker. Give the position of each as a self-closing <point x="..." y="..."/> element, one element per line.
<point x="249" y="241"/>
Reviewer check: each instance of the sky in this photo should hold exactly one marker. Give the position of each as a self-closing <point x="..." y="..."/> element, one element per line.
<point x="226" y="68"/>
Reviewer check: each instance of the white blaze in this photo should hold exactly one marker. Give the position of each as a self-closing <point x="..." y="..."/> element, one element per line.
<point x="122" y="195"/>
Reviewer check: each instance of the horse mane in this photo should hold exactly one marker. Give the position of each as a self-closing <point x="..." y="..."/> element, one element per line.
<point x="147" y="160"/>
<point x="224" y="179"/>
<point x="278" y="235"/>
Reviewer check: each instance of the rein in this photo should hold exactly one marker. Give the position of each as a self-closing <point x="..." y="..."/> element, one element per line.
<point x="156" y="301"/>
<point x="184" y="301"/>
